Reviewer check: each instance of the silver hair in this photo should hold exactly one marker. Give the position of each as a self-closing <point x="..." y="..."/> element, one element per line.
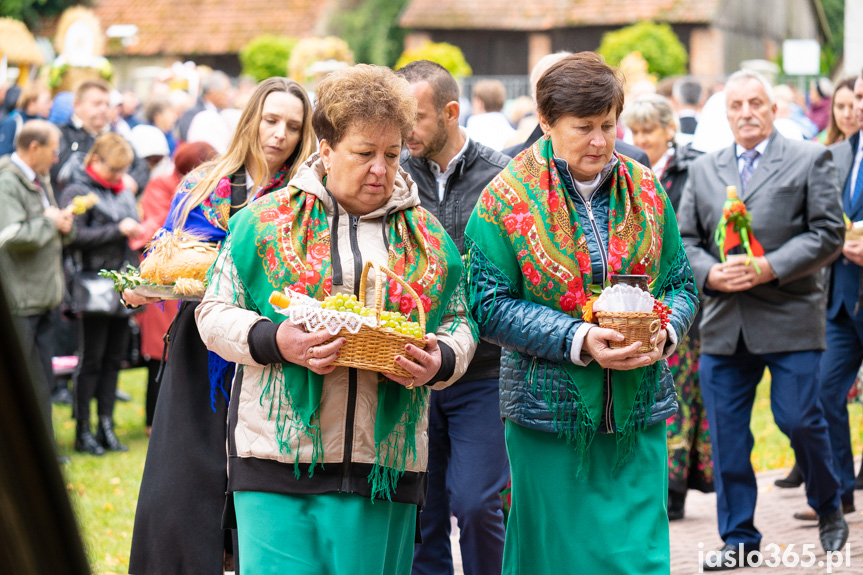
<point x="650" y="110"/>
<point x="214" y="82"/>
<point x="544" y="64"/>
<point x="743" y="75"/>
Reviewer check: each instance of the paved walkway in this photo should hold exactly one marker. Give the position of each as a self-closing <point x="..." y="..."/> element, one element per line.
<point x="773" y="517"/>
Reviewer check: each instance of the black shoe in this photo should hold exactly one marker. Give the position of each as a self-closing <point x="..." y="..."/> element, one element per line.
<point x="85" y="442"/>
<point x="106" y="436"/>
<point x="62" y="396"/>
<point x="793" y="479"/>
<point x="812" y="516"/>
<point x="676" y="503"/>
<point x="833" y="531"/>
<point x="725" y="559"/>
<point x="122" y="395"/>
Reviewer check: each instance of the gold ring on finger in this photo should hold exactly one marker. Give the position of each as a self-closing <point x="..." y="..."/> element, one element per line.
<point x="312" y="351"/>
<point x="411" y="384"/>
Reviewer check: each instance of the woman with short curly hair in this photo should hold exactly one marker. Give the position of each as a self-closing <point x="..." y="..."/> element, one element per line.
<point x="327" y="465"/>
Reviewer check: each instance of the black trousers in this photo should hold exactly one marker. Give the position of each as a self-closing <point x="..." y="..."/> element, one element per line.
<point x="104" y="340"/>
<point x="37" y="333"/>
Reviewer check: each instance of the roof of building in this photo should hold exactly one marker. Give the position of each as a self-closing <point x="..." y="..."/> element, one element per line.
<point x="206" y="26"/>
<point x="549" y="14"/>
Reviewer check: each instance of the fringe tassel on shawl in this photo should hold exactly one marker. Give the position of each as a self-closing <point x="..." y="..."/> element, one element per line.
<point x="571" y="418"/>
<point x="289" y="425"/>
<point x="474" y="291"/>
<point x="627" y="434"/>
<point x="391" y="459"/>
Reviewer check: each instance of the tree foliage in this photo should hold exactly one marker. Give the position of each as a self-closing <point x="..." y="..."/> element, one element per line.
<point x="447" y="55"/>
<point x="834" y="10"/>
<point x="657" y="43"/>
<point x="267" y="55"/>
<point x="372" y="31"/>
<point x="30" y="11"/>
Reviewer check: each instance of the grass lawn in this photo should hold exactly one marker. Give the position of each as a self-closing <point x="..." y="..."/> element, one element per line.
<point x="104" y="490"/>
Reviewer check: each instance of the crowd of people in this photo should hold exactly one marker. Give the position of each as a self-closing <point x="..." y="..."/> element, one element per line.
<point x="265" y="457"/>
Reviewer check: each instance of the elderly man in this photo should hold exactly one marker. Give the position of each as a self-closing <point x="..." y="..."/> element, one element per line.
<point x="89" y="121"/>
<point x="764" y="313"/>
<point x="468" y="466"/>
<point x="32" y="233"/>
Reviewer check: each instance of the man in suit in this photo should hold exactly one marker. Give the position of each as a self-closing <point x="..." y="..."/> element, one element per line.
<point x="844" y="316"/>
<point x="539" y="69"/>
<point x="769" y="316"/>
<point x="468" y="466"/>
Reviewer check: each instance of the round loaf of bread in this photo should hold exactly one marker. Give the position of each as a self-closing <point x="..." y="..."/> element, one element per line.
<point x="170" y="261"/>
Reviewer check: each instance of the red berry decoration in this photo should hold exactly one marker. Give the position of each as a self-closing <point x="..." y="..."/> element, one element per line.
<point x="663" y="311"/>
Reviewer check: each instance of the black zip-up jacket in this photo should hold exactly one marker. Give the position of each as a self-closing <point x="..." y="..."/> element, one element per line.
<point x="98" y="237"/>
<point x="475" y="169"/>
<point x="74" y="139"/>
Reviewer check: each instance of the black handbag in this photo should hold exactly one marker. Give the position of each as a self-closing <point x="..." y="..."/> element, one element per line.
<point x="95" y="295"/>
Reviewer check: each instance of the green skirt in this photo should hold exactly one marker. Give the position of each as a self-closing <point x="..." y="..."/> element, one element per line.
<point x="326" y="534"/>
<point x="599" y="522"/>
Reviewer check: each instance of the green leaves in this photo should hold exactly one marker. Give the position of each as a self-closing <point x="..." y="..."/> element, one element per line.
<point x="126" y="279"/>
<point x="657" y="43"/>
<point x="267" y="55"/>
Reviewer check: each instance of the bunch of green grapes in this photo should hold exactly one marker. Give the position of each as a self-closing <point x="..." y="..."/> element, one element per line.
<point x="393" y="320"/>
<point x="344" y="302"/>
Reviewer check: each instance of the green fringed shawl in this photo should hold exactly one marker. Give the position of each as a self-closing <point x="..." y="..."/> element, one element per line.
<point x="528" y="231"/>
<point x="283" y="241"/>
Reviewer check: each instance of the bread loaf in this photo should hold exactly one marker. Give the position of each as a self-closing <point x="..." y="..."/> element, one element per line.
<point x="173" y="257"/>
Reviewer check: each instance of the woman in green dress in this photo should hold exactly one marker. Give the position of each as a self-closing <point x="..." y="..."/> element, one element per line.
<point x="585" y="423"/>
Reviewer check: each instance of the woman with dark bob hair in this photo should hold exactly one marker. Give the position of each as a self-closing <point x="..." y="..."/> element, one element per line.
<point x="327" y="464"/>
<point x="584" y="423"/>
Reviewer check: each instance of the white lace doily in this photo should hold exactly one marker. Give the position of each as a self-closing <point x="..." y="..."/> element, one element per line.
<point x="308" y="312"/>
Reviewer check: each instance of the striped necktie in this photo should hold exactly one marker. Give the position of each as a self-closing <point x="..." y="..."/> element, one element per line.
<point x="749" y="157"/>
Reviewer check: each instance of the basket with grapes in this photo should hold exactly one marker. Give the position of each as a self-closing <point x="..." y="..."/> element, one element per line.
<point x="373" y="336"/>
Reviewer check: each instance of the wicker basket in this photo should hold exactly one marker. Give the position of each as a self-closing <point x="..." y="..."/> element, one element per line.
<point x="634" y="326"/>
<point x="375" y="348"/>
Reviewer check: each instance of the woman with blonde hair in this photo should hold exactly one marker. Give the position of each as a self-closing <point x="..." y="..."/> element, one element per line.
<point x="843" y="124"/>
<point x="178" y="522"/>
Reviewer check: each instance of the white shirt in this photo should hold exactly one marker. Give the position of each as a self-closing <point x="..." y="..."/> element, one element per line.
<point x="441" y="177"/>
<point x="857" y="157"/>
<point x="741" y="161"/>
<point x="30" y="175"/>
<point x="586" y="189"/>
<point x="209" y="126"/>
<point x="491" y="129"/>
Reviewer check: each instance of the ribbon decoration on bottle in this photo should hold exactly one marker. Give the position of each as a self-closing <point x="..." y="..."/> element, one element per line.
<point x="735" y="229"/>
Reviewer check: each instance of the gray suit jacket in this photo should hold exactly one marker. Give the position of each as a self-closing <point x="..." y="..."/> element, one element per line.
<point x="796" y="209"/>
<point x="843" y="158"/>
